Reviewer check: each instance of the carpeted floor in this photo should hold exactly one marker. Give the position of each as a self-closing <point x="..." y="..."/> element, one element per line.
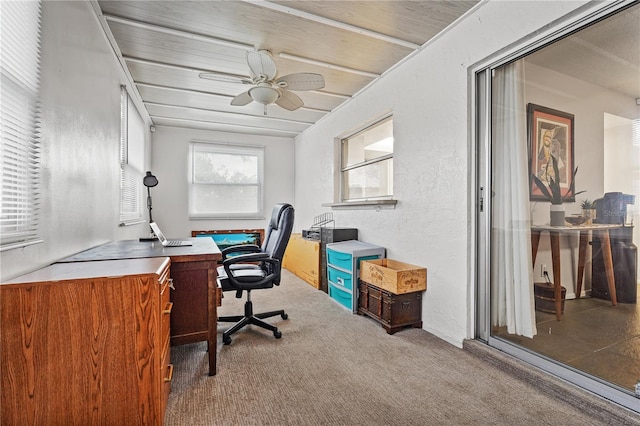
<point x="332" y="367"/>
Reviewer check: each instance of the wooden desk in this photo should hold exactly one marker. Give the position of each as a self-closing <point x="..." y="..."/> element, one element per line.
<point x="86" y="343"/>
<point x="600" y="230"/>
<point x="193" y="270"/>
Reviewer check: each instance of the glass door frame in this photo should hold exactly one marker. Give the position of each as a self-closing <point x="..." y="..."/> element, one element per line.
<point x="480" y="77"/>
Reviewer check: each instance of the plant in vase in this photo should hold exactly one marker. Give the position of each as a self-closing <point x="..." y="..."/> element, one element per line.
<point x="588" y="210"/>
<point x="553" y="192"/>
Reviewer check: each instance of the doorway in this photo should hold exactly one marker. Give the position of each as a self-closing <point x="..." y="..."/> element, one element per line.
<point x="557" y="126"/>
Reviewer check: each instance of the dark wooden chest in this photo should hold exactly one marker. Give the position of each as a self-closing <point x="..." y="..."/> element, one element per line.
<point x="393" y="311"/>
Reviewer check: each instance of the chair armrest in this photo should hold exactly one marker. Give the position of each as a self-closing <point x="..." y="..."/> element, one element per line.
<point x="235" y="276"/>
<point x="241" y="248"/>
<point x="246" y="258"/>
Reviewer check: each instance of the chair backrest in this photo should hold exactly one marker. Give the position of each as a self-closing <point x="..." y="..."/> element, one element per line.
<point x="278" y="231"/>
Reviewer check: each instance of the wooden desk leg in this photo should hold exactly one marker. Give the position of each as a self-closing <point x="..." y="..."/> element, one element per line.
<point x="605" y="242"/>
<point x="212" y="338"/>
<point x="582" y="255"/>
<point x="555" y="260"/>
<point x="535" y="240"/>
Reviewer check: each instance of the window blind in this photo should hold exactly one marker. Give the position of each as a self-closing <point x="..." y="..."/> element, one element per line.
<point x="20" y="118"/>
<point x="131" y="160"/>
<point x="225" y="181"/>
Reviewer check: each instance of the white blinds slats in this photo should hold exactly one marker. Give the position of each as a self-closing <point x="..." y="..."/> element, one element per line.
<point x="131" y="160"/>
<point x="20" y="118"/>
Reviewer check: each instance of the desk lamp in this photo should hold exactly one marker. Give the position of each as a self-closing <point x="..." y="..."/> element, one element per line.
<point x="149" y="181"/>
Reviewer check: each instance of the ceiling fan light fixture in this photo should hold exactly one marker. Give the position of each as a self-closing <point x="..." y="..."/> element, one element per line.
<point x="264" y="95"/>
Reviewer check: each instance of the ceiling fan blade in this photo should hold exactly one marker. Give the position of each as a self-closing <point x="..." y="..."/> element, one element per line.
<point x="224" y="78"/>
<point x="242" y="99"/>
<point x="261" y="64"/>
<point x="301" y="81"/>
<point x="289" y="100"/>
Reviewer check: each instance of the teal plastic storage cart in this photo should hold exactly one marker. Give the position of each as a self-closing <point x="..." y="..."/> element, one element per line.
<point x="343" y="269"/>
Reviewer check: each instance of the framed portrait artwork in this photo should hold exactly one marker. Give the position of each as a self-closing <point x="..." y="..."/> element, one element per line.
<point x="550" y="133"/>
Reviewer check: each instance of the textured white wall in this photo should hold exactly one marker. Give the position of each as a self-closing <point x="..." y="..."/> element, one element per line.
<point x="429" y="96"/>
<point x="170" y="164"/>
<point x="80" y="93"/>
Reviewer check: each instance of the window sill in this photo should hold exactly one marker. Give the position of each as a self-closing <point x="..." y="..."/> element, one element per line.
<point x="363" y="205"/>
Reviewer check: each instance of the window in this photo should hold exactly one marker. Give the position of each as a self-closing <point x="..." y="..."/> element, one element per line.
<point x="225" y="181"/>
<point x="20" y="117"/>
<point x="367" y="163"/>
<point x="131" y="160"/>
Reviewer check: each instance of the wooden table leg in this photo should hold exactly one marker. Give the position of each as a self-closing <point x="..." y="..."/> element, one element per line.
<point x="555" y="260"/>
<point x="582" y="255"/>
<point x="605" y="242"/>
<point x="535" y="240"/>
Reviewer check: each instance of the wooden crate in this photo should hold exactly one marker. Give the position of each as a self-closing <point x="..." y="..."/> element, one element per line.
<point x="391" y="275"/>
<point x="302" y="258"/>
<point x="393" y="311"/>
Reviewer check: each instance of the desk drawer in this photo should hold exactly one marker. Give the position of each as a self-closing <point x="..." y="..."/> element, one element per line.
<point x="166" y="375"/>
<point x="165" y="313"/>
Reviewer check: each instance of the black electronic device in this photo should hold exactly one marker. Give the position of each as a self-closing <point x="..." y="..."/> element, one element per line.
<point x="612" y="207"/>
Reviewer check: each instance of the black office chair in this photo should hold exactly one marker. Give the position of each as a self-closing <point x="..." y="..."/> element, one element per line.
<point x="263" y="271"/>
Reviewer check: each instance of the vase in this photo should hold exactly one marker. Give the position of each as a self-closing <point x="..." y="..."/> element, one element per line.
<point x="588" y="214"/>
<point x="557" y="214"/>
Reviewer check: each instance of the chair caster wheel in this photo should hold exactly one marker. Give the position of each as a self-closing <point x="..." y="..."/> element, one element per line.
<point x="226" y="340"/>
<point x="284" y="316"/>
<point x="277" y="334"/>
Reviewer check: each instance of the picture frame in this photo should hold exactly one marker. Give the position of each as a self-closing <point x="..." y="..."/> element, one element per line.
<point x="225" y="238"/>
<point x="549" y="132"/>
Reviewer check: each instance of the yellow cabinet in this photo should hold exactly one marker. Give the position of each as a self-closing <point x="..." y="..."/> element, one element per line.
<point x="302" y="258"/>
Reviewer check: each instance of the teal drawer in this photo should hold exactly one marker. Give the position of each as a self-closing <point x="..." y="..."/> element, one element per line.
<point x="340" y="278"/>
<point x="340" y="259"/>
<point x="343" y="297"/>
<point x="360" y="259"/>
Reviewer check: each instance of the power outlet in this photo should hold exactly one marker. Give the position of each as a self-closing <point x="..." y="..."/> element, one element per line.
<point x="543" y="269"/>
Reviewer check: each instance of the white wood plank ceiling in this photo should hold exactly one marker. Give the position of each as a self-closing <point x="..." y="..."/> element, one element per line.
<point x="165" y="45"/>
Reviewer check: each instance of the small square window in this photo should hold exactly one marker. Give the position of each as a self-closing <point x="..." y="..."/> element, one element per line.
<point x="367" y="163"/>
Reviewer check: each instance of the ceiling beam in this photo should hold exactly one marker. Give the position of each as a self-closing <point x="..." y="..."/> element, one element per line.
<point x="179" y="33"/>
<point x="215" y="123"/>
<point x="217" y="111"/>
<point x="284" y="55"/>
<point x="333" y="23"/>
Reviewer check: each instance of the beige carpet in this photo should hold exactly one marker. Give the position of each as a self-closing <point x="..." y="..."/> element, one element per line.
<point x="332" y="367"/>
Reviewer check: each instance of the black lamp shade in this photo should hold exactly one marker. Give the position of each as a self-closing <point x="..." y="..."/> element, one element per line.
<point x="149" y="180"/>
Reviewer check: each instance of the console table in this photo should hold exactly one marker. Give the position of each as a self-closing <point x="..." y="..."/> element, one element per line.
<point x="195" y="296"/>
<point x="599" y="230"/>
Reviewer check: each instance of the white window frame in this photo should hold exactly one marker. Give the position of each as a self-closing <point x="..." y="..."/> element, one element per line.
<point x="344" y="169"/>
<point x="20" y="112"/>
<point x="213" y="148"/>
<point x="131" y="161"/>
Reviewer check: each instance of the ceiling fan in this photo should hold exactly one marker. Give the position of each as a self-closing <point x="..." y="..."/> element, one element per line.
<point x="267" y="88"/>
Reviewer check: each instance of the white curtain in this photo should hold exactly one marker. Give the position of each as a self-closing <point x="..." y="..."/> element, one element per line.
<point x="512" y="301"/>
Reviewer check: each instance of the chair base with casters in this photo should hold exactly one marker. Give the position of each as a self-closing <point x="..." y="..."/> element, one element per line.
<point x="250" y="318"/>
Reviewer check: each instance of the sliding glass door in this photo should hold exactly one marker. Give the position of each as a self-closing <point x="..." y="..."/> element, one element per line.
<point x="559" y="181"/>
